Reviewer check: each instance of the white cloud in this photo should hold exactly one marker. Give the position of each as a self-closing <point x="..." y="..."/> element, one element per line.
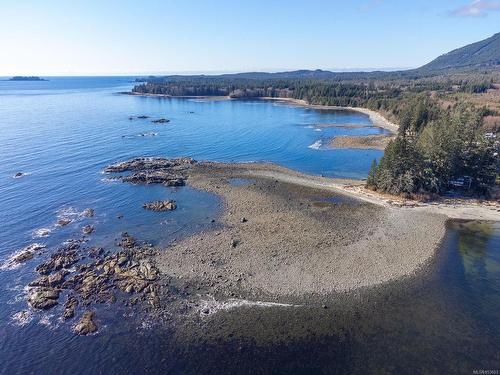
<point x="478" y="8"/>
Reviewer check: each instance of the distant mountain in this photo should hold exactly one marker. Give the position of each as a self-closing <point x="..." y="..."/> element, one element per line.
<point x="313" y="74"/>
<point x="317" y="74"/>
<point x="482" y="54"/>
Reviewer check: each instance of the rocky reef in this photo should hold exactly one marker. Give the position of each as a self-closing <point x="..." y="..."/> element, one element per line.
<point x="23" y="256"/>
<point x="167" y="205"/>
<point x="88" y="229"/>
<point x="88" y="276"/>
<point x="27" y="253"/>
<point x="169" y="172"/>
<point x="161" y="121"/>
<point x="86" y="325"/>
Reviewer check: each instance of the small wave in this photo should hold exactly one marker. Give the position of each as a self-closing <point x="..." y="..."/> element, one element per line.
<point x="47" y="321"/>
<point x="19" y="294"/>
<point x="146" y="325"/>
<point x="22" y="318"/>
<point x="67" y="212"/>
<point x="210" y="307"/>
<point x="316" y="145"/>
<point x="317" y="130"/>
<point x="110" y="180"/>
<point x="14" y="262"/>
<point x="9" y="265"/>
<point x="21" y="174"/>
<point x="71" y="213"/>
<point x="42" y="232"/>
<point x="148" y="134"/>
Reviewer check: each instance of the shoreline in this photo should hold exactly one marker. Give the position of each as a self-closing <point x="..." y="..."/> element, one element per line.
<point x="453" y="208"/>
<point x="376" y="118"/>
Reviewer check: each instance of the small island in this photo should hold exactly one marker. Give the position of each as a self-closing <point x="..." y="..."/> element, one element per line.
<point x="26" y="78"/>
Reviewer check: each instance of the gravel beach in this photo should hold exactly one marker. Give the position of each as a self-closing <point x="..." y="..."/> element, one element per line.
<point x="277" y="238"/>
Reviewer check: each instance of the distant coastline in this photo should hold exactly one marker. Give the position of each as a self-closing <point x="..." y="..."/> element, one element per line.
<point x="26" y="78"/>
<point x="376" y="118"/>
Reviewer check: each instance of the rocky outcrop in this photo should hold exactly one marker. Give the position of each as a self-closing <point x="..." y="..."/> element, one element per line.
<point x="69" y="307"/>
<point x="63" y="222"/>
<point x="88" y="229"/>
<point x="155" y="177"/>
<point x="43" y="298"/>
<point x="127" y="270"/>
<point x="141" y="117"/>
<point x="167" y="205"/>
<point x="86" y="324"/>
<point x="88" y="212"/>
<point x="63" y="258"/>
<point x="127" y="241"/>
<point x="161" y="121"/>
<point x="50" y="280"/>
<point x="139" y="164"/>
<point x="97" y="280"/>
<point x="169" y="172"/>
<point x="27" y="253"/>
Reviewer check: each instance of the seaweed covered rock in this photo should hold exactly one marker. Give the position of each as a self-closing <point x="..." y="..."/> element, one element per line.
<point x="86" y="324"/>
<point x="170" y="172"/>
<point x="100" y="277"/>
<point x="167" y="205"/>
<point x="43" y="298"/>
<point x="70" y="307"/>
<point x="88" y="229"/>
<point x="50" y="280"/>
<point x="27" y="253"/>
<point x="161" y="121"/>
<point x="88" y="212"/>
<point x="139" y="164"/>
<point x="155" y="177"/>
<point x="63" y="258"/>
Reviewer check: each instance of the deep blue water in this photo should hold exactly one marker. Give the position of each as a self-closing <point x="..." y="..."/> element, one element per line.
<point x="62" y="132"/>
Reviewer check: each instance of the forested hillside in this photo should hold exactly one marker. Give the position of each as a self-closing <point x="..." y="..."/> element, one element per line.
<point x="448" y="121"/>
<point x="482" y="54"/>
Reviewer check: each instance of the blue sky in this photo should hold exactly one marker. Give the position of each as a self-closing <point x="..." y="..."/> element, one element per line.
<point x="93" y="37"/>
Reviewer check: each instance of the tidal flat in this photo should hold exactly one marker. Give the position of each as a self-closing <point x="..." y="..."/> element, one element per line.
<point x="280" y="239"/>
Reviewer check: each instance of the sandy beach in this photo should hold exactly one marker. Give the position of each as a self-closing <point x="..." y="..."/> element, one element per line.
<point x="376" y="118"/>
<point x="366" y="142"/>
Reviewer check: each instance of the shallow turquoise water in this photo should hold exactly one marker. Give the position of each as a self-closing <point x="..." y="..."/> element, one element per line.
<point x="64" y="131"/>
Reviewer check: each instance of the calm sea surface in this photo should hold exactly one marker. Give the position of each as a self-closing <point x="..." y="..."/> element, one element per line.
<point x="61" y="133"/>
